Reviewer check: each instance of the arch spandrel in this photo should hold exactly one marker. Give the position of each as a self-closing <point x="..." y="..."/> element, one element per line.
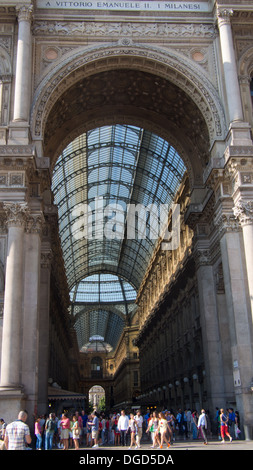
<point x="168" y="68"/>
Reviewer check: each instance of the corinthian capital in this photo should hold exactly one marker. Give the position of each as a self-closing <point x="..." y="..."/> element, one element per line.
<point x="16" y="213"/>
<point x="24" y="12"/>
<point x="224" y="15"/>
<point x="34" y="223"/>
<point x="243" y="211"/>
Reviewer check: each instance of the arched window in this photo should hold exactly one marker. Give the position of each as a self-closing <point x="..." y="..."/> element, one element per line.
<point x="96" y="367"/>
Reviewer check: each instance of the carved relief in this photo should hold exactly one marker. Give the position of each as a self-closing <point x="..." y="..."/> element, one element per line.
<point x="119" y="29"/>
<point x="243" y="211"/>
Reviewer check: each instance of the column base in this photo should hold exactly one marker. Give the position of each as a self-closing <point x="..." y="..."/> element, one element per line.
<point x="12" y="401"/>
<point x="19" y="133"/>
<point x="239" y="134"/>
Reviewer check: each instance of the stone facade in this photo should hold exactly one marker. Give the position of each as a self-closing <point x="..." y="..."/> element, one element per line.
<point x="183" y="71"/>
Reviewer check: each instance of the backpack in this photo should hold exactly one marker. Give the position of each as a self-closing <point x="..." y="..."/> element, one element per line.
<point x="50" y="425"/>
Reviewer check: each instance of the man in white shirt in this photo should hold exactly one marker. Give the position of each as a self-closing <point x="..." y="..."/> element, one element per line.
<point x="139" y="421"/>
<point x="123" y="423"/>
<point x="202" y="425"/>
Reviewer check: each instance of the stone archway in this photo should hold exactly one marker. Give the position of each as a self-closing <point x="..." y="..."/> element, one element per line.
<point x="120" y="84"/>
<point x="135" y="86"/>
<point x="148" y="87"/>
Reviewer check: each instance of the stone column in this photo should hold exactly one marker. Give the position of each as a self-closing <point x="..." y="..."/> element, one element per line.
<point x="240" y="325"/>
<point x="229" y="65"/>
<point x="43" y="362"/>
<point x="23" y="64"/>
<point x="209" y="323"/>
<point x="32" y="250"/>
<point x="13" y="299"/>
<point x="243" y="211"/>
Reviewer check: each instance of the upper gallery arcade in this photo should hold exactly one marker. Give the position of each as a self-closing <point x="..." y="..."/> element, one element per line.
<point x="106" y="106"/>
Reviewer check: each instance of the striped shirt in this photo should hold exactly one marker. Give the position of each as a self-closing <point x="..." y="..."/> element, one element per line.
<point x="16" y="432"/>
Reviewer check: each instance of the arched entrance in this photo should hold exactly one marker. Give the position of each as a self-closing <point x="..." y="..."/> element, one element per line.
<point x="97" y="398"/>
<point x="142" y="86"/>
<point x="147" y="94"/>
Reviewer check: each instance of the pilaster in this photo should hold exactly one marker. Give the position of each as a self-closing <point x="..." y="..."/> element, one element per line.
<point x="209" y="319"/>
<point x="43" y="324"/>
<point x="227" y="188"/>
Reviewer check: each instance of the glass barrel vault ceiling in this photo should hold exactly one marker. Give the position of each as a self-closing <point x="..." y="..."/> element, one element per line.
<point x="118" y="164"/>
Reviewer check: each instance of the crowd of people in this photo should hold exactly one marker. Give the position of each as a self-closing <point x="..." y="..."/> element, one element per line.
<point x="119" y="429"/>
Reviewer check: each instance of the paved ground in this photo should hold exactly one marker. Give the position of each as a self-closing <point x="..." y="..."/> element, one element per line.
<point x="184" y="445"/>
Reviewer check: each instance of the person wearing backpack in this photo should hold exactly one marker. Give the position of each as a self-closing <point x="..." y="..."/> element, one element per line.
<point x="50" y="430"/>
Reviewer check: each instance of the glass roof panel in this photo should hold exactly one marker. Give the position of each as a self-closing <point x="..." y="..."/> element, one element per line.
<point x="102" y="288"/>
<point x="96" y="178"/>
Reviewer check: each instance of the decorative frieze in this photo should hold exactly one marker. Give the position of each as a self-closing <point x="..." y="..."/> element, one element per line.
<point x="121" y="29"/>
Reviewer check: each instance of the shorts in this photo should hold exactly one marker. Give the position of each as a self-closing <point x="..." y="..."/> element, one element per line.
<point x="94" y="434"/>
<point x="64" y="434"/>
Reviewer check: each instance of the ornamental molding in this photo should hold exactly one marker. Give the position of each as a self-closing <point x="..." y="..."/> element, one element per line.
<point x="166" y="64"/>
<point x="13" y="150"/>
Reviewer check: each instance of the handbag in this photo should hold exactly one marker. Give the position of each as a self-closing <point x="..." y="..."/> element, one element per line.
<point x="77" y="431"/>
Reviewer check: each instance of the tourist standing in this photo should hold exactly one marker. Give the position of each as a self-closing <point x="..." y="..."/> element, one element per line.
<point x="194" y="421"/>
<point x="153" y="428"/>
<point x="17" y="434"/>
<point x="133" y="430"/>
<point x="38" y="434"/>
<point x="76" y="431"/>
<point x="237" y="425"/>
<point x="224" y="426"/>
<point x="2" y="433"/>
<point x="123" y="423"/>
<point x="202" y="425"/>
<point x="162" y="428"/>
<point x="94" y="429"/>
<point x="50" y="428"/>
<point x="139" y="420"/>
<point x="65" y="426"/>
